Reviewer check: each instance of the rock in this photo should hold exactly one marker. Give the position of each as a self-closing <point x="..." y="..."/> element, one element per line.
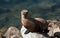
<point x="13" y="32"/>
<point x="56" y="32"/>
<point x="0" y="35"/>
<point x="2" y="31"/>
<point x="32" y="34"/>
<point x="54" y="28"/>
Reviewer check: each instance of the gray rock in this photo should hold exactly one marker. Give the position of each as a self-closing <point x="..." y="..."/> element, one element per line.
<point x="54" y="28"/>
<point x="13" y="32"/>
<point x="32" y="35"/>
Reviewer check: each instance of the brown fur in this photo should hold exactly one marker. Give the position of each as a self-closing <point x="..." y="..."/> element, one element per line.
<point x="37" y="24"/>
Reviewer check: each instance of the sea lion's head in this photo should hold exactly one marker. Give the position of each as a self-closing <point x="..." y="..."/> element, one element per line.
<point x="24" y="12"/>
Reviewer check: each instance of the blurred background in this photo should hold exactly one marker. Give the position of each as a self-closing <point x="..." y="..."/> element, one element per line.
<point x="10" y="10"/>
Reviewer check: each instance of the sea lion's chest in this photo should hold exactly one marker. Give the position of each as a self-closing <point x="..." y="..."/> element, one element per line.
<point x="27" y="22"/>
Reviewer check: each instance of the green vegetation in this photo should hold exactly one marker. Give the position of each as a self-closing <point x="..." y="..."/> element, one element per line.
<point x="10" y="10"/>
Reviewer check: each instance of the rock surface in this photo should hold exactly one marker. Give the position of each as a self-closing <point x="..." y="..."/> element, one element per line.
<point x="12" y="32"/>
<point x="2" y="31"/>
<point x="54" y="27"/>
<point x="32" y="34"/>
